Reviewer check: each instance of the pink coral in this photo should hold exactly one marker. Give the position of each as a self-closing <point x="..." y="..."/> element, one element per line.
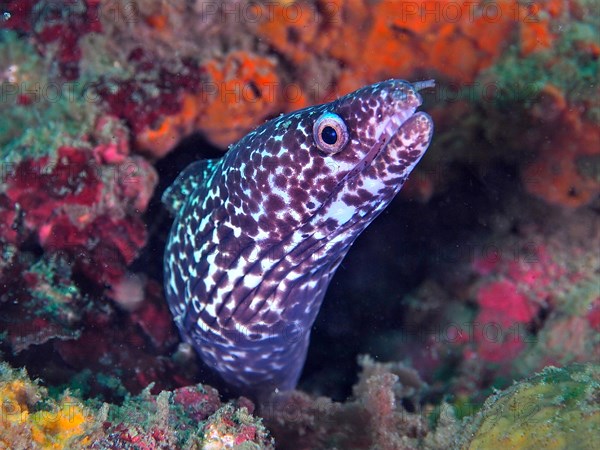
<point x="116" y="148"/>
<point x="76" y="207"/>
<point x="39" y="186"/>
<point x="150" y="100"/>
<point x="57" y="28"/>
<point x="230" y="427"/>
<point x="198" y="404"/>
<point x="507" y="305"/>
<point x="593" y="316"/>
<point x="134" y="344"/>
<point x="501" y="302"/>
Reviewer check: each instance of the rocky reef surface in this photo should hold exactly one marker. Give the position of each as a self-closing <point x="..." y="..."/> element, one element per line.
<point x="485" y="270"/>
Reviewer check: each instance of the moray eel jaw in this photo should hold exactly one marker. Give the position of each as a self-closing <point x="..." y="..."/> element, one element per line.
<point x="388" y="140"/>
<point x="259" y="233"/>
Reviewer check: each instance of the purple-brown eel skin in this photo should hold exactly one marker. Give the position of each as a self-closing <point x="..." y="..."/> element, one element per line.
<point x="259" y="233"/>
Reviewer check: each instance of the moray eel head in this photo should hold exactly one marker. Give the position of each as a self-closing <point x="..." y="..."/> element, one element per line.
<point x="331" y="163"/>
<point x="259" y="233"/>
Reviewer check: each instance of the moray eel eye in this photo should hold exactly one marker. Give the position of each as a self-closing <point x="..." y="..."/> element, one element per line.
<point x="330" y="133"/>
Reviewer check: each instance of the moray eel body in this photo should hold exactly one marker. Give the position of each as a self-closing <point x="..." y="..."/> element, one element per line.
<point x="259" y="233"/>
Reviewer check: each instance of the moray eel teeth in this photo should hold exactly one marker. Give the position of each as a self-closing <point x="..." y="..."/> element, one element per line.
<point x="259" y="233"/>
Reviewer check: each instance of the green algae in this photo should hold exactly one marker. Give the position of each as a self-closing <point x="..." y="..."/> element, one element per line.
<point x="557" y="408"/>
<point x="100" y="55"/>
<point x="228" y="421"/>
<point x="580" y="297"/>
<point x="566" y="65"/>
<point x="54" y="292"/>
<point x="39" y="112"/>
<point x="141" y="421"/>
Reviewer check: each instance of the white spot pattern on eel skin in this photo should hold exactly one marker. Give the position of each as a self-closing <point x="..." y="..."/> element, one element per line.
<point x="259" y="233"/>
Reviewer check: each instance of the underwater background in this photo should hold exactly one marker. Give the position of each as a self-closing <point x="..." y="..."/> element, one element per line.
<point x="466" y="316"/>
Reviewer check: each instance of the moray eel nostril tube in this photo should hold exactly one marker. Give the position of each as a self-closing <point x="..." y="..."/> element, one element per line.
<point x="259" y="233"/>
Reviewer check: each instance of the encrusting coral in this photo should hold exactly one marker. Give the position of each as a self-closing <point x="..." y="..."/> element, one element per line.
<point x="190" y="418"/>
<point x="32" y="421"/>
<point x="555" y="409"/>
<point x="95" y="92"/>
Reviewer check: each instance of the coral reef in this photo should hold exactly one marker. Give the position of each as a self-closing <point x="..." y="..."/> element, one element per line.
<point x="165" y="85"/>
<point x="191" y="417"/>
<point x="373" y="418"/>
<point x="246" y="92"/>
<point x="563" y="400"/>
<point x="235" y="428"/>
<point x="489" y="268"/>
<point x="74" y="206"/>
<point x="565" y="171"/>
<point x="556" y="408"/>
<point x="30" y="420"/>
<point x="49" y="305"/>
<point x="509" y="306"/>
<point x="556" y="84"/>
<point x="57" y="28"/>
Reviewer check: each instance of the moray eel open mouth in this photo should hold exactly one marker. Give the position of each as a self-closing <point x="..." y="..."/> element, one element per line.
<point x="399" y="129"/>
<point x="392" y="125"/>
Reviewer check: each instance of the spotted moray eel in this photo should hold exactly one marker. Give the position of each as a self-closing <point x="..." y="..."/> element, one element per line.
<point x="259" y="233"/>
